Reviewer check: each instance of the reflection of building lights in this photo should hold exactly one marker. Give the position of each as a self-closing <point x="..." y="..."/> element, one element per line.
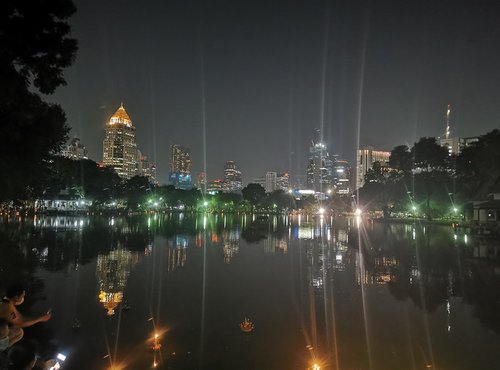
<point x="112" y="271"/>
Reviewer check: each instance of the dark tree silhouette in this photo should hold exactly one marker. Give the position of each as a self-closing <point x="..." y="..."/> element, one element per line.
<point x="253" y="193"/>
<point x="35" y="48"/>
<point x="401" y="159"/>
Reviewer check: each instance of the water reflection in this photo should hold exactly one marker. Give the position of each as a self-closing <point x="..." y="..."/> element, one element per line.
<point x="348" y="293"/>
<point x="112" y="272"/>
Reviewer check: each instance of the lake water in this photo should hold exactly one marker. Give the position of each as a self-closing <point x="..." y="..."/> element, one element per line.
<point x="345" y="294"/>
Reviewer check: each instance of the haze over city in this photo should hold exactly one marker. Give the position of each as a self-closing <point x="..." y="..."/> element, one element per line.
<point x="275" y="71"/>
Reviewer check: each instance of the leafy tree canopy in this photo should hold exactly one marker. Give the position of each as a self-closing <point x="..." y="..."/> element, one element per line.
<point x="35" y="49"/>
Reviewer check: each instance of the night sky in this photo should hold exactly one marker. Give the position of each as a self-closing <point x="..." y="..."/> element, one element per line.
<point x="276" y="70"/>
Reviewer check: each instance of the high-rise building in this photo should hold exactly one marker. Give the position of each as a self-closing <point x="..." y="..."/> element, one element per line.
<point x="283" y="181"/>
<point x="74" y="149"/>
<point x="270" y="181"/>
<point x="341" y="177"/>
<point x="119" y="146"/>
<point x="319" y="168"/>
<point x="365" y="159"/>
<point x="202" y="181"/>
<point x="232" y="177"/>
<point x="147" y="169"/>
<point x="180" y="167"/>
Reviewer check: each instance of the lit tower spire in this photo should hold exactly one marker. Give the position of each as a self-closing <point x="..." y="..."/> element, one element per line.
<point x="447" y="132"/>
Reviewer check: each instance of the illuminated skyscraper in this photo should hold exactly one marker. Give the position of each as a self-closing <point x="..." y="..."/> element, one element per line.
<point x="270" y="181"/>
<point x="119" y="146"/>
<point x="202" y="181"/>
<point x="319" y="169"/>
<point x="232" y="177"/>
<point x="283" y="181"/>
<point x="147" y="169"/>
<point x="180" y="167"/>
<point x="341" y="177"/>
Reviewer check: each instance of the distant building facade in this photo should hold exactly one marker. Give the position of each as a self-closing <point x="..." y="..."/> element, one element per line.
<point x="364" y="162"/>
<point x="319" y="168"/>
<point x="455" y="145"/>
<point x="260" y="181"/>
<point x="180" y="167"/>
<point x="74" y="149"/>
<point x="283" y="181"/>
<point x="119" y="146"/>
<point x="270" y="181"/>
<point x="232" y="177"/>
<point x="341" y="177"/>
<point x="201" y="181"/>
<point x="215" y="186"/>
<point x="147" y="169"/>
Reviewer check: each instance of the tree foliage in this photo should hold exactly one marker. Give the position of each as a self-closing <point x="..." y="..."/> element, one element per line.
<point x="35" y="49"/>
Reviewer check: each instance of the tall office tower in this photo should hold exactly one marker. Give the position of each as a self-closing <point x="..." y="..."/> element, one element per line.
<point x="232" y="177"/>
<point x="74" y="149"/>
<point x="365" y="159"/>
<point x="119" y="146"/>
<point x="270" y="181"/>
<point x="180" y="167"/>
<point x="319" y="169"/>
<point x="283" y="181"/>
<point x="202" y="181"/>
<point x="147" y="169"/>
<point x="341" y="177"/>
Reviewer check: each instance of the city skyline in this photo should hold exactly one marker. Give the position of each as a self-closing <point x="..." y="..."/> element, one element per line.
<point x="324" y="173"/>
<point x="274" y="71"/>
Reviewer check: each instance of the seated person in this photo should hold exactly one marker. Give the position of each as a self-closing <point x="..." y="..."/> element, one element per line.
<point x="14" y="297"/>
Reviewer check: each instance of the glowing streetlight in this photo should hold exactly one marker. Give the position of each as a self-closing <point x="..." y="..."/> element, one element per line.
<point x="414" y="208"/>
<point x="455" y="209"/>
<point x="358" y="212"/>
<point x="205" y="203"/>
